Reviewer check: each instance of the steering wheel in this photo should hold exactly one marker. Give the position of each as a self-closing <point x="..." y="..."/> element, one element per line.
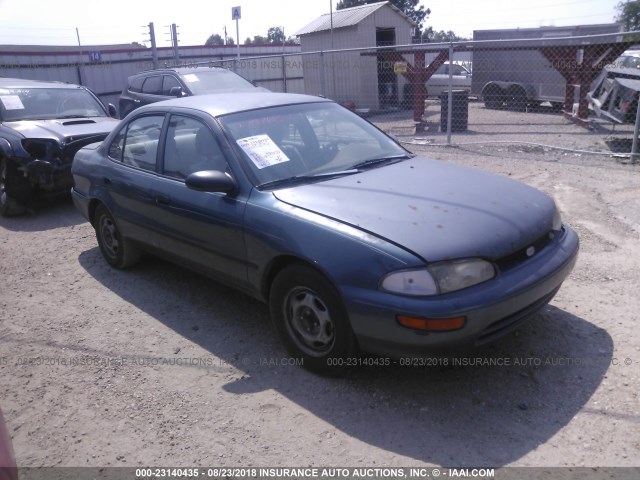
<point x="69" y="104"/>
<point x="331" y="149"/>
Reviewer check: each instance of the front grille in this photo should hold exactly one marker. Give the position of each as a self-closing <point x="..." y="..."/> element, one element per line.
<point x="519" y="256"/>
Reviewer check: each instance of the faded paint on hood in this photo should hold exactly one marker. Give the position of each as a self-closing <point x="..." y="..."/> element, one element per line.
<point x="434" y="209"/>
<point x="61" y="129"/>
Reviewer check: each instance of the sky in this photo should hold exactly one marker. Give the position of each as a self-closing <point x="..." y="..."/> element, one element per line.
<point x="54" y="22"/>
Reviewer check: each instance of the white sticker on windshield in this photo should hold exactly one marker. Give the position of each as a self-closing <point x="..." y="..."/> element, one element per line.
<point x="12" y="102"/>
<point x="191" y="77"/>
<point x="262" y="151"/>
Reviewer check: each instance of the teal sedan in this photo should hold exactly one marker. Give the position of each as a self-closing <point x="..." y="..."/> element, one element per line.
<point x="356" y="244"/>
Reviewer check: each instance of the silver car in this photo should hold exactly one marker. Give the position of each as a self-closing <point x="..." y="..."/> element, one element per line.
<point x="439" y="81"/>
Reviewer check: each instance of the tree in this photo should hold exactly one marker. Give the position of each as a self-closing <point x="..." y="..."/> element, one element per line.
<point x="257" y="40"/>
<point x="410" y="8"/>
<point x="214" y="39"/>
<point x="629" y="15"/>
<point x="441" y="37"/>
<point x="276" y="35"/>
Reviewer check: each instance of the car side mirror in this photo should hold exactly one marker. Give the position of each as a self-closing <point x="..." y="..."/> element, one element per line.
<point x="113" y="113"/>
<point x="176" y="92"/>
<point x="211" y="181"/>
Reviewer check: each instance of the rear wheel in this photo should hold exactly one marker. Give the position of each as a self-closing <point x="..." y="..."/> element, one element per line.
<point x="117" y="250"/>
<point x="8" y="205"/>
<point x="493" y="98"/>
<point x="516" y="99"/>
<point x="311" y="319"/>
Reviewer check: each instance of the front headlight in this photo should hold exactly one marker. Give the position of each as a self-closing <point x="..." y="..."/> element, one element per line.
<point x="410" y="282"/>
<point x="437" y="278"/>
<point x="459" y="274"/>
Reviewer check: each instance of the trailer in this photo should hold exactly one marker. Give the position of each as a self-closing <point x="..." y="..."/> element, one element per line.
<point x="518" y="68"/>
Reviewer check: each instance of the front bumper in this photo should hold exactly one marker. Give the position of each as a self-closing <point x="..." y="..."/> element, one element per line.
<point x="492" y="309"/>
<point x="49" y="177"/>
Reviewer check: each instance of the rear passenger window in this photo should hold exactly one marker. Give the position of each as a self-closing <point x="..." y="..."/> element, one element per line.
<point x="137" y="143"/>
<point x="153" y="85"/>
<point x="136" y="84"/>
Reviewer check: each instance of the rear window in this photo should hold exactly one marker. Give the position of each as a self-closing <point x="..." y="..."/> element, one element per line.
<point x="136" y="84"/>
<point x="214" y="80"/>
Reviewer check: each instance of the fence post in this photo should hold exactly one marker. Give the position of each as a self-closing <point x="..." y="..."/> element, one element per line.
<point x="323" y="82"/>
<point x="636" y="131"/>
<point x="284" y="74"/>
<point x="450" y="96"/>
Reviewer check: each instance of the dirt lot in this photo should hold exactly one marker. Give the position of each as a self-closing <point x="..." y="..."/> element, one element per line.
<point x="158" y="366"/>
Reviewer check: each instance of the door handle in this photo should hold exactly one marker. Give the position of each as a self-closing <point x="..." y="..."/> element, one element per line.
<point x="162" y="200"/>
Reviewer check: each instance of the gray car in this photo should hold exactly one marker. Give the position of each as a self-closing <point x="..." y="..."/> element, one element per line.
<point x="355" y="243"/>
<point x="165" y="83"/>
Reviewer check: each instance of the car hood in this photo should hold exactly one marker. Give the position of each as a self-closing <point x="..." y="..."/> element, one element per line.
<point x="434" y="209"/>
<point x="61" y="129"/>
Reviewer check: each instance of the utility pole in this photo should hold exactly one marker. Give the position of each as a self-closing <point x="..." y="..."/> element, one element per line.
<point x="174" y="42"/>
<point x="81" y="63"/>
<point x="154" y="48"/>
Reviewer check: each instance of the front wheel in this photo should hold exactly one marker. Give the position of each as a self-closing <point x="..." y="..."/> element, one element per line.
<point x="8" y="205"/>
<point x="117" y="250"/>
<point x="311" y="319"/>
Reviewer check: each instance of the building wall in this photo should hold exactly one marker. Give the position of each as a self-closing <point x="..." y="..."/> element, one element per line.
<point x="350" y="77"/>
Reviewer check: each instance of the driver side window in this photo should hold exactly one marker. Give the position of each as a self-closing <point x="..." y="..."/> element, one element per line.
<point x="190" y="147"/>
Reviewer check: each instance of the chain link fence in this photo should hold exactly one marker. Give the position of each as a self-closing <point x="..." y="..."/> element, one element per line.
<point x="575" y="94"/>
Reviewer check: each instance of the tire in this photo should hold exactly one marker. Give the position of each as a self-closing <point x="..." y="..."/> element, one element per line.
<point x="116" y="250"/>
<point x="8" y="205"/>
<point x="516" y="99"/>
<point x="311" y="320"/>
<point x="493" y="99"/>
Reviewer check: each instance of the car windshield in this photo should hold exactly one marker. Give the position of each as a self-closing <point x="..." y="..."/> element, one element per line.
<point x="308" y="141"/>
<point x="47" y="103"/>
<point x="211" y="81"/>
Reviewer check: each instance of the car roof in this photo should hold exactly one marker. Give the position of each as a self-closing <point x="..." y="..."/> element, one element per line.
<point x="21" y="83"/>
<point x="182" y="70"/>
<point x="631" y="53"/>
<point x="217" y="104"/>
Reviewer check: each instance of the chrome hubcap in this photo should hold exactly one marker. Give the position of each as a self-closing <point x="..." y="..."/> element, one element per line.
<point x="310" y="322"/>
<point x="109" y="235"/>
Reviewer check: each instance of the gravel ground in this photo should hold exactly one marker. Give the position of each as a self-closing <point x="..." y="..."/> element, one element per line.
<point x="159" y="366"/>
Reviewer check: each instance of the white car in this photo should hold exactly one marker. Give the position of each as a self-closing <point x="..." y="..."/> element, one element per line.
<point x="439" y="81"/>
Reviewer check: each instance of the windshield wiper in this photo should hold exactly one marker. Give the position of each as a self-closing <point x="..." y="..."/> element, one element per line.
<point x="376" y="161"/>
<point x="306" y="178"/>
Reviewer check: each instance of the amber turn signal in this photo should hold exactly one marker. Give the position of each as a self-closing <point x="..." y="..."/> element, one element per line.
<point x="432" y="324"/>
